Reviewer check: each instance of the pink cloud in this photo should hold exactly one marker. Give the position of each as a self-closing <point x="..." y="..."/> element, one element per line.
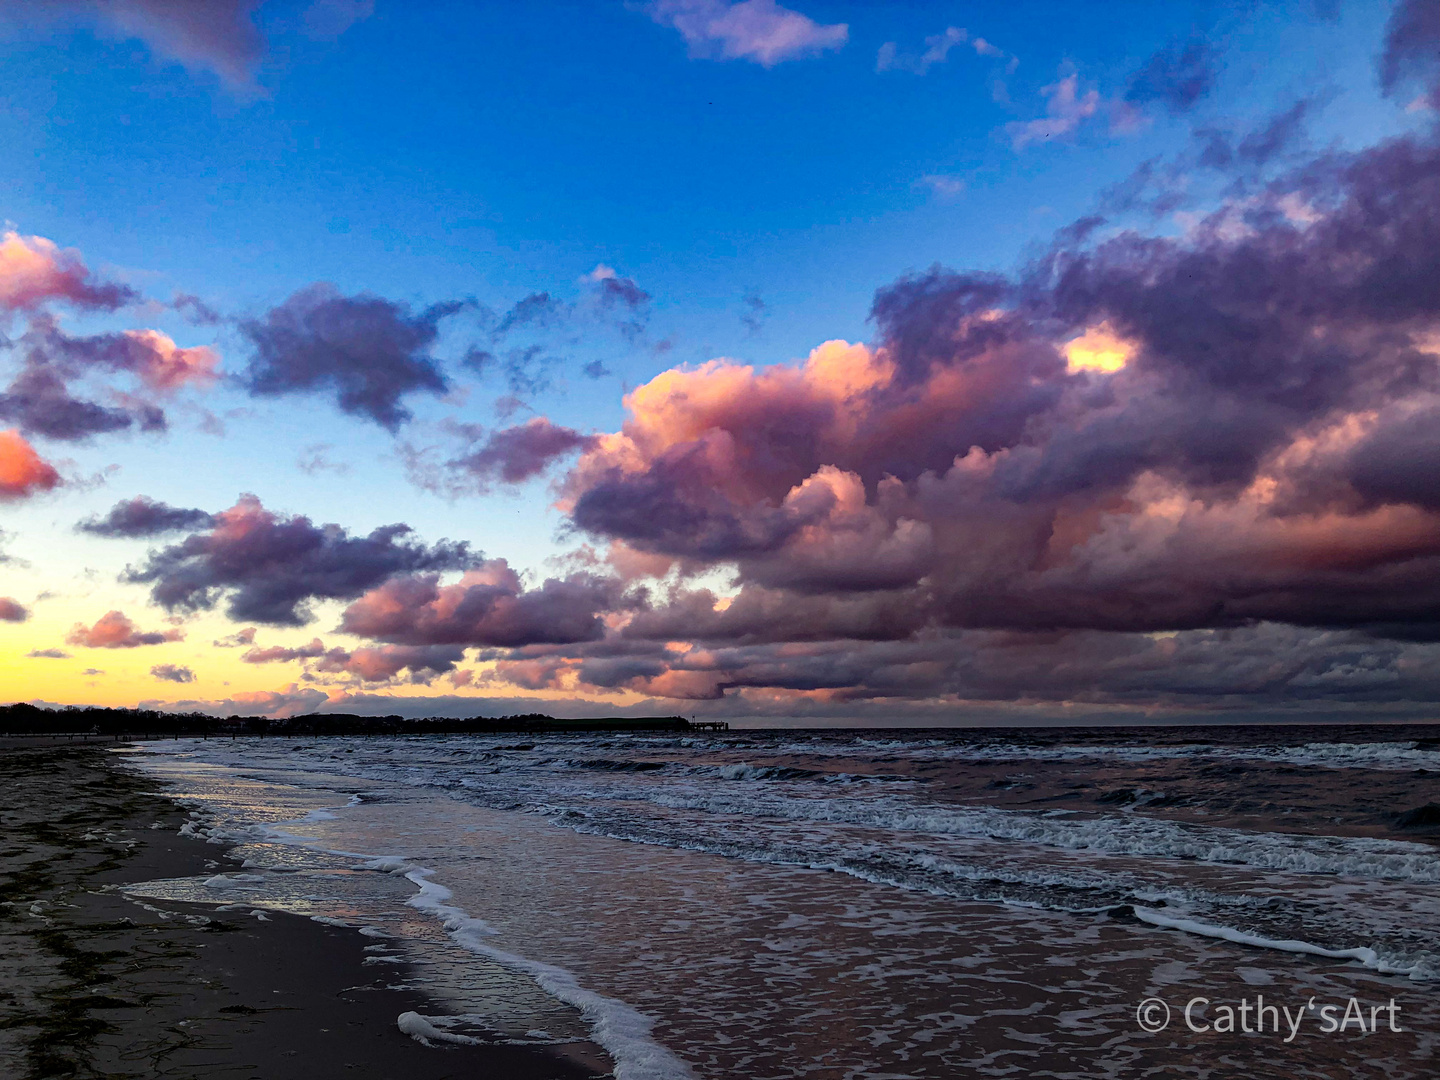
<point x="114" y="630"/>
<point x="290" y="700"/>
<point x="22" y="471"/>
<point x="163" y="365"/>
<point x="12" y="610"/>
<point x="281" y="654"/>
<point x="757" y="30"/>
<point x="33" y="270"/>
<point x="489" y="606"/>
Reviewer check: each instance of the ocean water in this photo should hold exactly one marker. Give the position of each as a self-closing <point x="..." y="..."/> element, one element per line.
<point x="865" y="904"/>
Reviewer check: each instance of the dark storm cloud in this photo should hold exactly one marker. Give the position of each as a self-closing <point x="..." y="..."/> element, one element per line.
<point x="1176" y="77"/>
<point x="270" y="566"/>
<point x="143" y="516"/>
<point x="367" y="352"/>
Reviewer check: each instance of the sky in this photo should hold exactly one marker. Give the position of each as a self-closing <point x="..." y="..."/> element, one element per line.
<point x="858" y="363"/>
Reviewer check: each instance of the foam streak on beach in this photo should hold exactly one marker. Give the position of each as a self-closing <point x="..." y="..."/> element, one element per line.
<point x="839" y="904"/>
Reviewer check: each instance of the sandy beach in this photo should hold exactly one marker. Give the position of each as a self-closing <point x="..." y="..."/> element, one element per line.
<point x="95" y="984"/>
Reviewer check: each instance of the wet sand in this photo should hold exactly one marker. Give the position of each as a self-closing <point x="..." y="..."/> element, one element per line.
<point x="95" y="984"/>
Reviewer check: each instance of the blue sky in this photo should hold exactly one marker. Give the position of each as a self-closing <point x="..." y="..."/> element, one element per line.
<point x="484" y="153"/>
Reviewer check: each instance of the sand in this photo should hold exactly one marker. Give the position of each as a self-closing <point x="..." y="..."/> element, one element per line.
<point x="95" y="984"/>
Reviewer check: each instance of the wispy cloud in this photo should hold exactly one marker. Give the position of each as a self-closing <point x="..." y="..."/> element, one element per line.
<point x="757" y="30"/>
<point x="937" y="51"/>
<point x="942" y="186"/>
<point x="1065" y="111"/>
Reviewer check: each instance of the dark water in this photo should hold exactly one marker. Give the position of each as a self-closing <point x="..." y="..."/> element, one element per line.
<point x="878" y="903"/>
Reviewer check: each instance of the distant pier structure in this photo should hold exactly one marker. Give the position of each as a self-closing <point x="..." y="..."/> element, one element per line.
<point x="709" y="725"/>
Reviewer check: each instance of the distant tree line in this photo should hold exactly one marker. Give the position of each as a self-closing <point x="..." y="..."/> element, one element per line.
<point x="25" y="719"/>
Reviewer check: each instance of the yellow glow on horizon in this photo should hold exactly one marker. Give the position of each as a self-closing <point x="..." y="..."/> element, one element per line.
<point x="1098" y="349"/>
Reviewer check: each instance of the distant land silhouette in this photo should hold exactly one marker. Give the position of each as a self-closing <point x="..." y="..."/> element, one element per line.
<point x="22" y="718"/>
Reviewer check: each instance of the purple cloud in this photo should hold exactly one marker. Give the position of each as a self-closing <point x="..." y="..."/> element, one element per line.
<point x="143" y="516"/>
<point x="173" y="673"/>
<point x="271" y="566"/>
<point x="515" y="454"/>
<point x="1177" y="76"/>
<point x="367" y="352"/>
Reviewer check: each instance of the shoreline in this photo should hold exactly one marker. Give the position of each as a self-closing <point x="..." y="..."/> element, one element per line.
<point x="95" y="984"/>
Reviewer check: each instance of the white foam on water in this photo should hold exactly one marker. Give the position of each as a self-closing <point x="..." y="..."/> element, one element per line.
<point x="423" y="1030"/>
<point x="623" y="1031"/>
<point x="1115" y="834"/>
<point x="1416" y="969"/>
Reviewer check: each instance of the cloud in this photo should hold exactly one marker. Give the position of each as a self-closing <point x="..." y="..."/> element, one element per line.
<point x="39" y="399"/>
<point x="12" y="610"/>
<point x="48" y="654"/>
<point x="937" y="51"/>
<point x="22" y="471"/>
<point x="143" y="516"/>
<point x="173" y="673"/>
<point x="161" y="364"/>
<point x="326" y="20"/>
<point x="195" y="310"/>
<point x="34" y="271"/>
<point x="114" y="630"/>
<point x="315" y="459"/>
<point x="617" y="290"/>
<point x="1132" y="434"/>
<point x="1065" y="111"/>
<point x="488" y="607"/>
<point x="270" y="566"/>
<point x="538" y="309"/>
<point x="515" y="454"/>
<point x="218" y="36"/>
<point x="368" y="352"/>
<point x="280" y="654"/>
<point x="757" y="30"/>
<point x="240" y="638"/>
<point x="755" y="313"/>
<point x="622" y="292"/>
<point x="1176" y="77"/>
<point x="385" y="662"/>
<point x="944" y="187"/>
<point x="1412" y="49"/>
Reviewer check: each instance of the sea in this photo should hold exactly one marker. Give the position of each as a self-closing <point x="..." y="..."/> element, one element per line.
<point x="884" y="904"/>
